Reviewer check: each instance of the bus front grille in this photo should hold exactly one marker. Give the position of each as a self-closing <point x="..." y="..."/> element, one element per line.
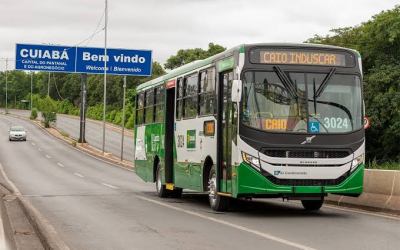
<point x="305" y="182"/>
<point x="296" y="153"/>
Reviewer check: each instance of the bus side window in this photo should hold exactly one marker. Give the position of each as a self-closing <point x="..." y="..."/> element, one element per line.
<point x="159" y="104"/>
<point x="179" y="95"/>
<point x="149" y="107"/>
<point x="190" y="95"/>
<point x="139" y="108"/>
<point x="207" y="92"/>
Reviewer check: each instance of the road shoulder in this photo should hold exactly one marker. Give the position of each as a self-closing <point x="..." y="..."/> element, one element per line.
<point x="19" y="233"/>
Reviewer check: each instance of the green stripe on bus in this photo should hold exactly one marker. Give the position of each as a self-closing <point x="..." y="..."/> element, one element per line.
<point x="225" y="64"/>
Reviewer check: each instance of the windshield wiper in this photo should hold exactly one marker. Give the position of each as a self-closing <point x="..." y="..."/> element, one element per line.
<point x="339" y="106"/>
<point x="286" y="81"/>
<point x="324" y="83"/>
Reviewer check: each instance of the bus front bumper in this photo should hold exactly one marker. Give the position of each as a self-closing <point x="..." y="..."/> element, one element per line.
<point x="248" y="182"/>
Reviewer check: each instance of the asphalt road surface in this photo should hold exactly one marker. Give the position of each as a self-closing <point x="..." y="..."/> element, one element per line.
<point x="94" y="133"/>
<point x="94" y="205"/>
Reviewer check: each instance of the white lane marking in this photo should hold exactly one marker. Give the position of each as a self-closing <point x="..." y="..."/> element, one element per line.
<point x="79" y="175"/>
<point x="48" y="156"/>
<point x="393" y="217"/>
<point x="33" y="144"/>
<point x="60" y="164"/>
<point x="229" y="224"/>
<point x="109" y="185"/>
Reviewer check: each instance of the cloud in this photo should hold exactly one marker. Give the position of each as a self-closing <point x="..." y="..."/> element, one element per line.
<point x="166" y="26"/>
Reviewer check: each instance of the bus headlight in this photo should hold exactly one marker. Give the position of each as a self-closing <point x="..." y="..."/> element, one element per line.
<point x="252" y="160"/>
<point x="357" y="161"/>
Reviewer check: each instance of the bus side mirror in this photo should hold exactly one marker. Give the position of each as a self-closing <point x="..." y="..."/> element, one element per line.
<point x="236" y="94"/>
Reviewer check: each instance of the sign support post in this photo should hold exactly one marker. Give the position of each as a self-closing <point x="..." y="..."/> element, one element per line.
<point x="123" y="120"/>
<point x="82" y="127"/>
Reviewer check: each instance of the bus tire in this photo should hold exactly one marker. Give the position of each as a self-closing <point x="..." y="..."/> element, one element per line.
<point x="217" y="202"/>
<point x="312" y="205"/>
<point x="176" y="193"/>
<point x="160" y="188"/>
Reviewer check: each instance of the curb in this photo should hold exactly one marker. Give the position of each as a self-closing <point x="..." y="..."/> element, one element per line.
<point x="112" y="126"/>
<point x="8" y="232"/>
<point x="32" y="232"/>
<point x="88" y="149"/>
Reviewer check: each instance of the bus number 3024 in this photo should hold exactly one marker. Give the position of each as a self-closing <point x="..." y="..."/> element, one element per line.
<point x="336" y="122"/>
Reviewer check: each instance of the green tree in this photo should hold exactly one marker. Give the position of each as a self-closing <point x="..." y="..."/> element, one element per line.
<point x="48" y="107"/>
<point x="185" y="56"/>
<point x="382" y="97"/>
<point x="378" y="41"/>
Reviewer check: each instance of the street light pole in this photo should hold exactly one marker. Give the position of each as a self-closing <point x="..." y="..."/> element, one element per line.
<point x="105" y="74"/>
<point x="31" y="89"/>
<point x="6" y="86"/>
<point x="123" y="120"/>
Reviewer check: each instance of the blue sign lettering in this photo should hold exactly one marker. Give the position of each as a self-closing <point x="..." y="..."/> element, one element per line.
<point x="45" y="58"/>
<point x="119" y="62"/>
<point x="83" y="60"/>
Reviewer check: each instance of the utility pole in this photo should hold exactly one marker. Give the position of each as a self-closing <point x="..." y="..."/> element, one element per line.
<point x="123" y="120"/>
<point x="6" y="86"/>
<point x="105" y="75"/>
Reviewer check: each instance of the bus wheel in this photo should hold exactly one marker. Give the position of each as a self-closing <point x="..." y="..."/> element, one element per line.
<point x="161" y="190"/>
<point x="312" y="205"/>
<point x="217" y="202"/>
<point x="176" y="193"/>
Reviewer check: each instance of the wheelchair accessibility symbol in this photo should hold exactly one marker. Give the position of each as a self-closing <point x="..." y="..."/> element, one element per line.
<point x="313" y="127"/>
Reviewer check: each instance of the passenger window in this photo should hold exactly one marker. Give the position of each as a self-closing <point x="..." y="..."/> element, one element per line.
<point x="140" y="109"/>
<point x="207" y="92"/>
<point x="159" y="104"/>
<point x="149" y="107"/>
<point x="190" y="95"/>
<point x="179" y="95"/>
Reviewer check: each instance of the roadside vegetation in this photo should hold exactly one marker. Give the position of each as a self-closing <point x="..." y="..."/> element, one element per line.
<point x="383" y="165"/>
<point x="377" y="40"/>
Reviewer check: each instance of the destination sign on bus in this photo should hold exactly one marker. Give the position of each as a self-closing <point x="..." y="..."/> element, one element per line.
<point x="302" y="57"/>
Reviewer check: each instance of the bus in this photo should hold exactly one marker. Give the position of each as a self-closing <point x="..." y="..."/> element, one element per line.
<point x="256" y="121"/>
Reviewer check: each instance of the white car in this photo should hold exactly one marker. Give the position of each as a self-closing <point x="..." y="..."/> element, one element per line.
<point x="17" y="133"/>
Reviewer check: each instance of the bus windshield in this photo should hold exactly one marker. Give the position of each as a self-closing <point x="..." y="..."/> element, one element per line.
<point x="302" y="102"/>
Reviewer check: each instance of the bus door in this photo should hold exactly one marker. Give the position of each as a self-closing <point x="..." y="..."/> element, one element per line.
<point x="169" y="131"/>
<point x="224" y="167"/>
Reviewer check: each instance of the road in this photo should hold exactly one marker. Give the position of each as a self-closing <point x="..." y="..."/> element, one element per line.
<point x="94" y="205"/>
<point x="94" y="133"/>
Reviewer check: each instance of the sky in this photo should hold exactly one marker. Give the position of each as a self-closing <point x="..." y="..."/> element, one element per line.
<point x="165" y="26"/>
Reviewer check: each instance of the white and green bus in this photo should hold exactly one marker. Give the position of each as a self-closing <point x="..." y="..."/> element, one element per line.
<point x="258" y="120"/>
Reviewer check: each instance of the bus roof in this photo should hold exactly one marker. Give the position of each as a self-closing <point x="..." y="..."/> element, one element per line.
<point x="185" y="68"/>
<point x="201" y="63"/>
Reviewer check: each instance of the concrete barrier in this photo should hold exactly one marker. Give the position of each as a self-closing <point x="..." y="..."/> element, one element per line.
<point x="381" y="192"/>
